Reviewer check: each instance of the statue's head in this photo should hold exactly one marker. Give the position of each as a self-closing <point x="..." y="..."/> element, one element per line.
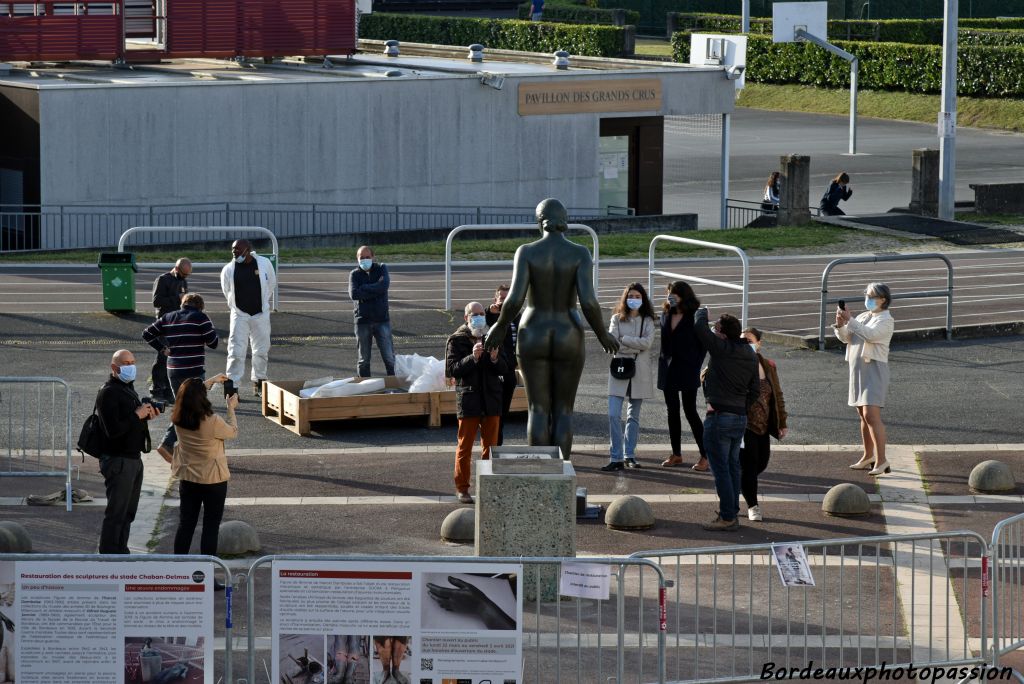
<point x="552" y="216"/>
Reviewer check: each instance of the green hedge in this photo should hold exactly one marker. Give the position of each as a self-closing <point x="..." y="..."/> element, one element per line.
<point x="917" y="31"/>
<point x="653" y="12"/>
<point x="578" y="14"/>
<point x="883" y="66"/>
<point x="497" y="34"/>
<point x="990" y="37"/>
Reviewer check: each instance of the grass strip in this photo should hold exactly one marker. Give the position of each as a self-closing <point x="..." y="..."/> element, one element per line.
<point x="1004" y="114"/>
<point x="618" y="246"/>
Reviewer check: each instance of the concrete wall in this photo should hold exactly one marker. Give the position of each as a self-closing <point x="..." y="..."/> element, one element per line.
<point x="431" y="141"/>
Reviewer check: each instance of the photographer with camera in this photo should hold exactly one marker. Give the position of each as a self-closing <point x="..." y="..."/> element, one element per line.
<point x="200" y="462"/>
<point x="124" y="419"/>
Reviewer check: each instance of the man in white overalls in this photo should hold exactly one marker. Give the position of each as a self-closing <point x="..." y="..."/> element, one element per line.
<point x="248" y="281"/>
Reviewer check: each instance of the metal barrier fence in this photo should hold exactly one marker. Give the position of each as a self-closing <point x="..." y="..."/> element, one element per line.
<point x="744" y="289"/>
<point x="52" y="227"/>
<point x="203" y="231"/>
<point x="730" y="617"/>
<point x="35" y="429"/>
<point x="1007" y="551"/>
<point x="947" y="293"/>
<point x="741" y="213"/>
<point x="113" y="617"/>
<point x="621" y="639"/>
<point x="596" y="252"/>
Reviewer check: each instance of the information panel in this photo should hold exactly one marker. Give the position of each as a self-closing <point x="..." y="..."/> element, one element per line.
<point x="397" y="623"/>
<point x="106" y="622"/>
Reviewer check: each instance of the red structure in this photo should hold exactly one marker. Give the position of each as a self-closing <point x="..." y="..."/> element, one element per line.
<point x="96" y="29"/>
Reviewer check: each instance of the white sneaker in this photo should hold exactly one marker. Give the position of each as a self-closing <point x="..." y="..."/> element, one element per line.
<point x="754" y="513"/>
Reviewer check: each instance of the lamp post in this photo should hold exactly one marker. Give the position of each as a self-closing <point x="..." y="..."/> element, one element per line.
<point x="947" y="114"/>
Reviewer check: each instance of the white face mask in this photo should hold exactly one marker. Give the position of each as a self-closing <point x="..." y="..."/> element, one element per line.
<point x="478" y="323"/>
<point x="634" y="303"/>
<point x="240" y="259"/>
<point x="753" y="346"/>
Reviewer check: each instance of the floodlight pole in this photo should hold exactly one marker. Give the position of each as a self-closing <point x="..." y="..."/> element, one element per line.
<point x="746" y="16"/>
<point x="800" y="34"/>
<point x="947" y="115"/>
<point x="723" y="215"/>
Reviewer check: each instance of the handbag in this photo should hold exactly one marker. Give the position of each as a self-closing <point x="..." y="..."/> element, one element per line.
<point x="624" y="368"/>
<point x="92" y="438"/>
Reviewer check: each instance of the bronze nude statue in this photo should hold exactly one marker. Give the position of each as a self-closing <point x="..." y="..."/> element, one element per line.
<point x="549" y="275"/>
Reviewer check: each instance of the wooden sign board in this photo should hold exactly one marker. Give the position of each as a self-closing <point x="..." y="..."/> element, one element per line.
<point x="590" y="96"/>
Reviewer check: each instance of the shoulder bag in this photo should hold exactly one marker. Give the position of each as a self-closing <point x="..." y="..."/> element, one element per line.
<point x="624" y="368"/>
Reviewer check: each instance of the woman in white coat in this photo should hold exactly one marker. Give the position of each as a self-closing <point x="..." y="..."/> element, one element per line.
<point x="632" y="325"/>
<point x="867" y="340"/>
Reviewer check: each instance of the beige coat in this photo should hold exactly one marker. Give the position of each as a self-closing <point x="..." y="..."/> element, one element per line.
<point x="633" y="343"/>
<point x="875" y="332"/>
<point x="199" y="454"/>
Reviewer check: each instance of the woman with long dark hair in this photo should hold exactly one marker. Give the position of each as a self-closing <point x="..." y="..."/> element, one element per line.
<point x="838" y="189"/>
<point x="770" y="199"/>
<point x="679" y="363"/>
<point x="632" y="326"/>
<point x="200" y="463"/>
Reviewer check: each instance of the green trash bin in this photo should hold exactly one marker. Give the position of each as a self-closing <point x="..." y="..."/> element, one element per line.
<point x="117" y="271"/>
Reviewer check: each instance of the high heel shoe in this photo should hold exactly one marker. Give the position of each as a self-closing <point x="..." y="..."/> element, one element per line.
<point x="882" y="469"/>
<point x="863" y="465"/>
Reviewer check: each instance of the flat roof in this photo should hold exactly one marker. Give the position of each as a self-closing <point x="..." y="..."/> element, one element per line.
<point x="415" y="62"/>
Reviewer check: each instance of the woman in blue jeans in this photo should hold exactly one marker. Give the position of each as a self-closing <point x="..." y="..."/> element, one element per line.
<point x="632" y="325"/>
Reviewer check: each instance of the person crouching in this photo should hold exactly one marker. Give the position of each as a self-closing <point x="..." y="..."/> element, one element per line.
<point x="478" y="392"/>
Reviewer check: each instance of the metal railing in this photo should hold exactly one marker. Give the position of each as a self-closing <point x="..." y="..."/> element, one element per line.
<point x="596" y="252"/>
<point x="1007" y="566"/>
<point x="562" y="641"/>
<point x="947" y="293"/>
<point x="35" y="429"/>
<point x="744" y="289"/>
<point x="729" y="599"/>
<point x="53" y="617"/>
<point x="203" y="230"/>
<point x="54" y="227"/>
<point x="741" y="213"/>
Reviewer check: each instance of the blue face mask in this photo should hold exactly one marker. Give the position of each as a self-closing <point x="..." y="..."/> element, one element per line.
<point x="240" y="259"/>
<point x="672" y="300"/>
<point x="634" y="304"/>
<point x="365" y="264"/>
<point x="126" y="373"/>
<point x="870" y="303"/>
<point x="477" y="322"/>
<point x="754" y="347"/>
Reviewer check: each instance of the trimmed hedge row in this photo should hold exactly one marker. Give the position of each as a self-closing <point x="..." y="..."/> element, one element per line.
<point x="916" y="31"/>
<point x="883" y="66"/>
<point x="653" y="12"/>
<point x="991" y="37"/>
<point x="497" y="34"/>
<point x="578" y="14"/>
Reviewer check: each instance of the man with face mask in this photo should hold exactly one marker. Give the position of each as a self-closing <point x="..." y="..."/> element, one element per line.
<point x="168" y="289"/>
<point x="368" y="289"/>
<point x="248" y="281"/>
<point x="478" y="392"/>
<point x="123" y="417"/>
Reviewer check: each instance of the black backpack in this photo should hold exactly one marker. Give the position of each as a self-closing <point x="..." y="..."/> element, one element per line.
<point x="93" y="437"/>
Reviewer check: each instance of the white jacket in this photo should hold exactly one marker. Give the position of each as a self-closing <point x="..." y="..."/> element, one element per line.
<point x="268" y="281"/>
<point x="875" y="329"/>
<point x="635" y="337"/>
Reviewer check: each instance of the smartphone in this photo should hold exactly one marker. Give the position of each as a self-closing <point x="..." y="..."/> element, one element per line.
<point x="842" y="304"/>
<point x="229" y="388"/>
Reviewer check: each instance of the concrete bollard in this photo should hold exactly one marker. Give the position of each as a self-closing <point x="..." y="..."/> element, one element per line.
<point x="794" y="195"/>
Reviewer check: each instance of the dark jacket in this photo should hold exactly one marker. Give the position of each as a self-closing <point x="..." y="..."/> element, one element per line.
<point x="682" y="355"/>
<point x="125" y="433"/>
<point x="508" y="347"/>
<point x="369" y="291"/>
<point x="835" y="192"/>
<point x="732" y="383"/>
<point x="168" y="290"/>
<point x="477" y="383"/>
<point x="183" y="333"/>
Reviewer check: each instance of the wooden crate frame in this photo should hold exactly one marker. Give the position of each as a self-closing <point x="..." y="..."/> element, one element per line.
<point x="282" y="404"/>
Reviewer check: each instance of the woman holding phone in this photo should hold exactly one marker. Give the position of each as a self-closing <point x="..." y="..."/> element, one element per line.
<point x="867" y="340"/>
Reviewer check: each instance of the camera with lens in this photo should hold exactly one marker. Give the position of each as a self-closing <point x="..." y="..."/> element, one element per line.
<point x="158" y="405"/>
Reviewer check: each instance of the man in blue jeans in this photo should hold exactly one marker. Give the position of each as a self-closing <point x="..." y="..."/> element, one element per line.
<point x="368" y="289"/>
<point x="731" y="385"/>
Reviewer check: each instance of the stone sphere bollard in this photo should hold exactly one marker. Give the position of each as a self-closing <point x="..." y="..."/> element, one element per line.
<point x="459" y="526"/>
<point x="991" y="477"/>
<point x="846" y="499"/>
<point x="237" y="538"/>
<point x="629" y="513"/>
<point x="14" y="538"/>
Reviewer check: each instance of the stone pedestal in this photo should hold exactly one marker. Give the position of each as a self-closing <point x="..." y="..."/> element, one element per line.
<point x="150" y="665"/>
<point x="527" y="514"/>
<point x="794" y="195"/>
<point x="924" y="185"/>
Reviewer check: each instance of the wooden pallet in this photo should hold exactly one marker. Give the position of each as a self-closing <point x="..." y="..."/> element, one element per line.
<point x="282" y="404"/>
